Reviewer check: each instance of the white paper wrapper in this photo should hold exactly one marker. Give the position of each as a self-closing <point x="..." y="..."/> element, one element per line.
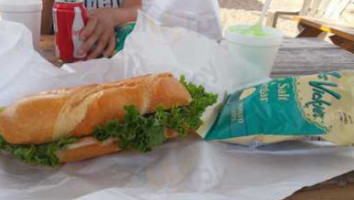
<point x="181" y="169"/>
<point x="22" y="69"/>
<point x="155" y="49"/>
<point x="201" y="16"/>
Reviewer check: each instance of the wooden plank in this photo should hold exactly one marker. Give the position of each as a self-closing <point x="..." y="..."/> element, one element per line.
<point x="303" y="56"/>
<point x="346" y="32"/>
<point x="272" y="17"/>
<point x="341" y="187"/>
<point x="304" y="43"/>
<point x="343" y="43"/>
<point x="309" y="32"/>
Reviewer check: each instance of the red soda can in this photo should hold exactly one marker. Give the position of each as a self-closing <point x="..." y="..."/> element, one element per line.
<point x="70" y="17"/>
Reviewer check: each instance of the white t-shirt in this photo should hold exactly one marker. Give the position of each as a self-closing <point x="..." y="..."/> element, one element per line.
<point x="93" y="4"/>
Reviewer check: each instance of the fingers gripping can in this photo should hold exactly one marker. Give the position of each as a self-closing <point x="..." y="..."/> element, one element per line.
<point x="70" y="17"/>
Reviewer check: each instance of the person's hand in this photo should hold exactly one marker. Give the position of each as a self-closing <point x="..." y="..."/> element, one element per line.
<point x="99" y="31"/>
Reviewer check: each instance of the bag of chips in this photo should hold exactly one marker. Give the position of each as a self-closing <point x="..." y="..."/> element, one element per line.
<point x="315" y="106"/>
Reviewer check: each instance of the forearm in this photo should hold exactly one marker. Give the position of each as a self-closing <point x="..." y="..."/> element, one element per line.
<point x="126" y="14"/>
<point x="132" y="3"/>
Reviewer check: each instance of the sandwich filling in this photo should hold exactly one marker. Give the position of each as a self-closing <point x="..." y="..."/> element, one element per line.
<point x="134" y="132"/>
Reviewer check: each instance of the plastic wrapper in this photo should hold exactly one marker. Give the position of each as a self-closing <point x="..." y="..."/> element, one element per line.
<point x="304" y="107"/>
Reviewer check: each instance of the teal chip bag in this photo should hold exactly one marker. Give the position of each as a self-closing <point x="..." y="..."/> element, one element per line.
<point x="293" y="108"/>
<point x="122" y="32"/>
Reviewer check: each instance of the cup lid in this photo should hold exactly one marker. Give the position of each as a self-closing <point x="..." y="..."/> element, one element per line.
<point x="20" y="5"/>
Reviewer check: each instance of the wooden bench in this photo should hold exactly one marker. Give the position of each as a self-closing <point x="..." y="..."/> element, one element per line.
<point x="318" y="16"/>
<point x="343" y="35"/>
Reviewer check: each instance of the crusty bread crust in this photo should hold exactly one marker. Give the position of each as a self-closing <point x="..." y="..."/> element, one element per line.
<point x="77" y="112"/>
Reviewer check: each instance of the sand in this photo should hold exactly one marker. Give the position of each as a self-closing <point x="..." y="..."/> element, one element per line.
<point x="248" y="11"/>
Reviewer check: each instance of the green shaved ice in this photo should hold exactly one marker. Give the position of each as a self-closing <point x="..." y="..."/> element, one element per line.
<point x="255" y="30"/>
<point x="136" y="132"/>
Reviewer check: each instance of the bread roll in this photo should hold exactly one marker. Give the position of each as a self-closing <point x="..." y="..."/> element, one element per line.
<point x="77" y="112"/>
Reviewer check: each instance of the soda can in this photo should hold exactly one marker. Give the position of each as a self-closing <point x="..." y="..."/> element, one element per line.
<point x="69" y="17"/>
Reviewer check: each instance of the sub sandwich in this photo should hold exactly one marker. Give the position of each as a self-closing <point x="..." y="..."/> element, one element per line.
<point x="69" y="125"/>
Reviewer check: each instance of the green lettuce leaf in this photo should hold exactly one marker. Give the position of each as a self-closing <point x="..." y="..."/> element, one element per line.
<point x="43" y="154"/>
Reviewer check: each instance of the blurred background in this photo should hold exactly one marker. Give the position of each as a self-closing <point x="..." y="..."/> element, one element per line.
<point x="248" y="11"/>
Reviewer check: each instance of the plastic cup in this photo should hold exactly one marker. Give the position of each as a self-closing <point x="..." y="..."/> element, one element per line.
<point x="27" y="12"/>
<point x="259" y="50"/>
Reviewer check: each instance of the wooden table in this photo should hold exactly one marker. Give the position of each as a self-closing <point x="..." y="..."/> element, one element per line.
<point x="301" y="56"/>
<point x="316" y="26"/>
<point x="343" y="34"/>
<point x="297" y="56"/>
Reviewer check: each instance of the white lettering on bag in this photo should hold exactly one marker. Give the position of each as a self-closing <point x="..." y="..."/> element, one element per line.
<point x="93" y="4"/>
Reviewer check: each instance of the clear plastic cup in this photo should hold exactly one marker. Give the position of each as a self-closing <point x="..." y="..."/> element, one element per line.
<point x="259" y="50"/>
<point x="27" y="12"/>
